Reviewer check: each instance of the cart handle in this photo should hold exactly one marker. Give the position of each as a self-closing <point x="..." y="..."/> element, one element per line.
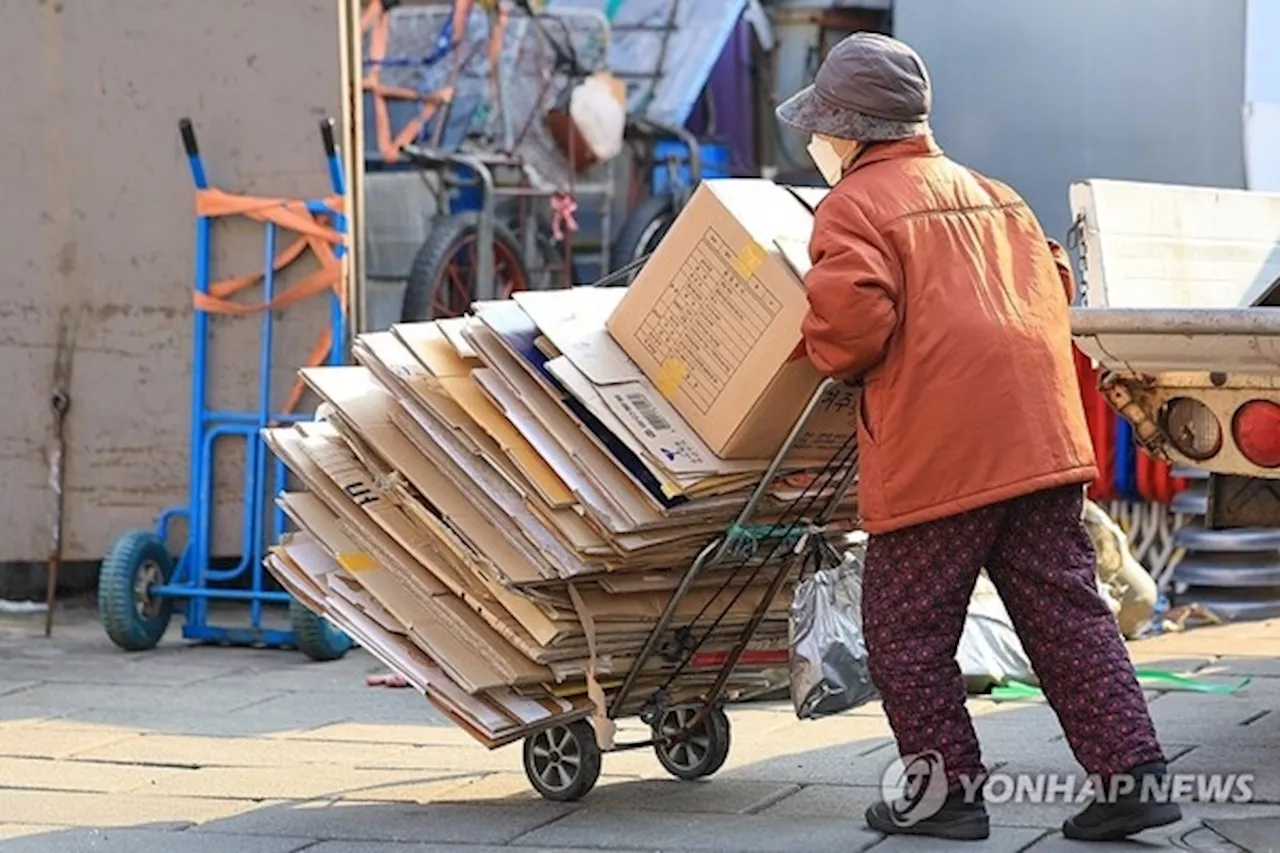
<point x="187" y="131"/>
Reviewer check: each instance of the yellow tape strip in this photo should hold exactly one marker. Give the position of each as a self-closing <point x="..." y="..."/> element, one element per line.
<point x="357" y="562"/>
<point x="750" y="259"/>
<point x="670" y="375"/>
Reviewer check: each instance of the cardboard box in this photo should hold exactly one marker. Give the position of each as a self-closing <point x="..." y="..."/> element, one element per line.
<point x="713" y="320"/>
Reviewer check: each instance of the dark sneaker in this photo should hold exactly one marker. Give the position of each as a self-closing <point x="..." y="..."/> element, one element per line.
<point x="1127" y="815"/>
<point x="957" y="820"/>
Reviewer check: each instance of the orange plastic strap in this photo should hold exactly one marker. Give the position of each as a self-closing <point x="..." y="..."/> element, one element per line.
<point x="497" y="35"/>
<point x="376" y="22"/>
<point x="313" y="235"/>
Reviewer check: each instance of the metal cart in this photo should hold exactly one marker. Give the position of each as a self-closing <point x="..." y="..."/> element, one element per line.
<point x="140" y="580"/>
<point x="666" y="686"/>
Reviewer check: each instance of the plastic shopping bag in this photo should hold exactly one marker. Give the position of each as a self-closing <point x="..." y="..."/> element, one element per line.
<point x="829" y="671"/>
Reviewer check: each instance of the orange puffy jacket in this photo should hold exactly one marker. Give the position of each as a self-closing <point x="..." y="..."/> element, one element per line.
<point x="937" y="287"/>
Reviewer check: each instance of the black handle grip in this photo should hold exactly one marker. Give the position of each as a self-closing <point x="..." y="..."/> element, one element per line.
<point x="188" y="132"/>
<point x="326" y="132"/>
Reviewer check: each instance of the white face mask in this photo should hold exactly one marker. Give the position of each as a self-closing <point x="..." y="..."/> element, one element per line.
<point x="827" y="159"/>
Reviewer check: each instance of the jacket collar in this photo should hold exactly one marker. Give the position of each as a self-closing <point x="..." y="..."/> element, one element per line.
<point x="916" y="146"/>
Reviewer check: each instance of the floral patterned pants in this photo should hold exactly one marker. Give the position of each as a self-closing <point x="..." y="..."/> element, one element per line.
<point x="1041" y="560"/>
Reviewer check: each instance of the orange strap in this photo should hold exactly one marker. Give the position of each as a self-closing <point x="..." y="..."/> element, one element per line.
<point x="313" y="234"/>
<point x="497" y="34"/>
<point x="376" y="22"/>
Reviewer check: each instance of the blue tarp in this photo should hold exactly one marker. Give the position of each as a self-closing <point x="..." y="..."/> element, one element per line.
<point x="701" y="28"/>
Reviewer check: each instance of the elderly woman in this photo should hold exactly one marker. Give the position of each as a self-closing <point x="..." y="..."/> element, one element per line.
<point x="936" y="288"/>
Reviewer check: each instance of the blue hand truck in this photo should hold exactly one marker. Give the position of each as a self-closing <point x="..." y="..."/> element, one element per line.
<point x="141" y="583"/>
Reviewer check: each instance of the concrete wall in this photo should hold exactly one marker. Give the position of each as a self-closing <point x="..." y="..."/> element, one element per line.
<point x="1041" y="93"/>
<point x="98" y="237"/>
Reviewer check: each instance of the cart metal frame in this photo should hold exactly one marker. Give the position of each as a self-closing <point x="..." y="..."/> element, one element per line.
<point x="692" y="740"/>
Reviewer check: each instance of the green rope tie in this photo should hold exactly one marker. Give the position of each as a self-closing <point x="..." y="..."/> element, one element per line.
<point x="751" y="535"/>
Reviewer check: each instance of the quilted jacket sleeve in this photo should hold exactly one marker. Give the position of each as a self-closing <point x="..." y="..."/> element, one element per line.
<point x="853" y="287"/>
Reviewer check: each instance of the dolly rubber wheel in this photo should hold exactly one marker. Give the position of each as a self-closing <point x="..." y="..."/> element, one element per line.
<point x="316" y="638"/>
<point x="642" y="231"/>
<point x="691" y="753"/>
<point x="442" y="281"/>
<point x="134" y="618"/>
<point x="563" y="762"/>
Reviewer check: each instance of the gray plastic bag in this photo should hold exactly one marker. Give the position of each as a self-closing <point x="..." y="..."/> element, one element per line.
<point x="829" y="671"/>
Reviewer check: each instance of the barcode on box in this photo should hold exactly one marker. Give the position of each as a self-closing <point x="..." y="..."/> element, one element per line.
<point x="644" y="406"/>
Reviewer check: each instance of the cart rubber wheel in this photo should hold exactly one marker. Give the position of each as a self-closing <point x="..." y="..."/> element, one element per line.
<point x="316" y="638"/>
<point x="702" y="752"/>
<point x="442" y="279"/>
<point x="134" y="619"/>
<point x="563" y="762"/>
<point x="642" y="231"/>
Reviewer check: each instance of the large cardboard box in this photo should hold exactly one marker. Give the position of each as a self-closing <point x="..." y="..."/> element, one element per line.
<point x="713" y="320"/>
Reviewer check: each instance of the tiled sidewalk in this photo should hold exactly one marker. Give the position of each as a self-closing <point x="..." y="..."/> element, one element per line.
<point x="200" y="749"/>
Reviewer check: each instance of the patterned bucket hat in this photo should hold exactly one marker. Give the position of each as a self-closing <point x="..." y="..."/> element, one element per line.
<point x="869" y="88"/>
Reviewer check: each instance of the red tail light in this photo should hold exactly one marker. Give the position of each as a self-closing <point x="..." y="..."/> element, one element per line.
<point x="1256" y="428"/>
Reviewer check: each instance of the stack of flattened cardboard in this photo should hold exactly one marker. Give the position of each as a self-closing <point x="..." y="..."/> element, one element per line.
<point x="500" y="507"/>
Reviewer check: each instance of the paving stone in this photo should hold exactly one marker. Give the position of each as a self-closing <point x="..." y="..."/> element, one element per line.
<point x="196" y="751"/>
<point x="507" y="788"/>
<point x="148" y="841"/>
<point x="1240" y="667"/>
<point x="41" y="773"/>
<point x="841" y="764"/>
<point x="111" y="670"/>
<point x="58" y="808"/>
<point x="1047" y="757"/>
<point x="1181" y="664"/>
<point x="1186" y="835"/>
<point x="720" y="796"/>
<point x="758" y="736"/>
<point x="395" y="847"/>
<point x="18" y="830"/>
<point x="435" y="824"/>
<point x="601" y="829"/>
<point x="211" y="720"/>
<point x="348" y="673"/>
<point x="269" y="783"/>
<point x="10" y="685"/>
<point x="37" y="742"/>
<point x="826" y="802"/>
<point x="159" y="702"/>
<point x="1004" y="839"/>
<point x="435" y="731"/>
<point x="16" y="712"/>
<point x="1263" y="763"/>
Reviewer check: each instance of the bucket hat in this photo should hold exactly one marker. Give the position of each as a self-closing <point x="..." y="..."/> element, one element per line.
<point x="869" y="88"/>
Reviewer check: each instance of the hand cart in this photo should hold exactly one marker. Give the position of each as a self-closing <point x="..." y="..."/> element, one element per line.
<point x="690" y="729"/>
<point x="140" y="580"/>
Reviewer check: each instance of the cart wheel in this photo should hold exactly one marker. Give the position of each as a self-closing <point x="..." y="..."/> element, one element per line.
<point x="701" y="752"/>
<point x="442" y="280"/>
<point x="316" y="638"/>
<point x="642" y="231"/>
<point x="134" y="619"/>
<point x="563" y="762"/>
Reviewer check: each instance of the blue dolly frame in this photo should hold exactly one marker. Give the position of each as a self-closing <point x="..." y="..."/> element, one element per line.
<point x="140" y="581"/>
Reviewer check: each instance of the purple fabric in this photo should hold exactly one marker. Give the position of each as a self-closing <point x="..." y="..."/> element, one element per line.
<point x="730" y="87"/>
<point x="1041" y="560"/>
